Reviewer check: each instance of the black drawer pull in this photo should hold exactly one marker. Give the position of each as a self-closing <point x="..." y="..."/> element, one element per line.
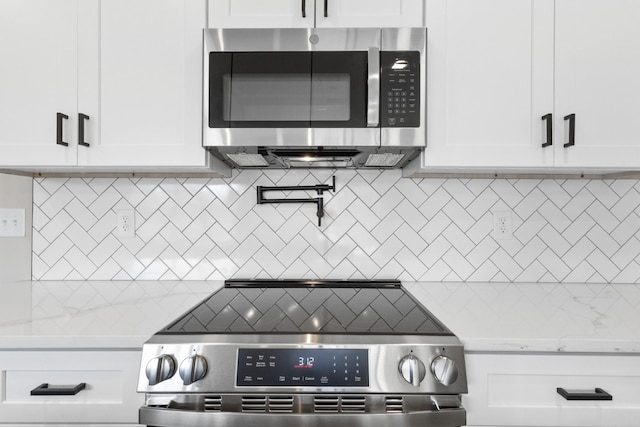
<point x="59" y="132"/>
<point x="572" y="130"/>
<point x="597" y="394"/>
<point x="45" y="390"/>
<point x="548" y="118"/>
<point x="81" y="119"/>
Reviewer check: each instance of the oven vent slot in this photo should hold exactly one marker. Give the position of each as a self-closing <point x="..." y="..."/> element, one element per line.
<point x="261" y="404"/>
<point x="336" y="404"/>
<point x="326" y="404"/>
<point x="213" y="403"/>
<point x="254" y="403"/>
<point x="393" y="404"/>
<point x="353" y="403"/>
<point x="281" y="404"/>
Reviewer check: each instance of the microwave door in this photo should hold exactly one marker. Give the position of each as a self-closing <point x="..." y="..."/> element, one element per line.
<point x="276" y="88"/>
<point x="290" y="89"/>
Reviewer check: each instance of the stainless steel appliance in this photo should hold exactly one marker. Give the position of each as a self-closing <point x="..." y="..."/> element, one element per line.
<point x="317" y="97"/>
<point x="310" y="353"/>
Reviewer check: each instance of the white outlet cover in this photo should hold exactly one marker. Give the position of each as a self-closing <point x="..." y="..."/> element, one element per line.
<point x="12" y="222"/>
<point x="502" y="225"/>
<point x="125" y="223"/>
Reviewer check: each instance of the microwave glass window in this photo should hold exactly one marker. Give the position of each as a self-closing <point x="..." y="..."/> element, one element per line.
<point x="266" y="97"/>
<point x="259" y="97"/>
<point x="330" y="100"/>
<point x="287" y="89"/>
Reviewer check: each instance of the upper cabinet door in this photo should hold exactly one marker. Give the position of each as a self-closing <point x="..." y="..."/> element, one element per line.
<point x="597" y="79"/>
<point x="489" y="83"/>
<point x="140" y="82"/>
<point x="369" y="13"/>
<point x="38" y="47"/>
<point x="261" y="13"/>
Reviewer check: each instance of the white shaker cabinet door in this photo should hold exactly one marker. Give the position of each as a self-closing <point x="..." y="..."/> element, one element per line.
<point x="261" y="14"/>
<point x="369" y="13"/>
<point x="315" y="13"/>
<point x="489" y="83"/>
<point x="511" y="389"/>
<point x="104" y="383"/>
<point x="38" y="72"/>
<point x="597" y="80"/>
<point x="140" y="82"/>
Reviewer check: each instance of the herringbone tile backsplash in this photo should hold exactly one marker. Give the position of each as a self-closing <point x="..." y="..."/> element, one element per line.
<point x="376" y="225"/>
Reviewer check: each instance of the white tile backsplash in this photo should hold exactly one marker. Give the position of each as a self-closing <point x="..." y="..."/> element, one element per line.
<point x="376" y="225"/>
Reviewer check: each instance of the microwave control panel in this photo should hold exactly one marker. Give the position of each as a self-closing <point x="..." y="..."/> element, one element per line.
<point x="400" y="88"/>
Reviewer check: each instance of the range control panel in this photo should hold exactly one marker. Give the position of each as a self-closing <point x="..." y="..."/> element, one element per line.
<point x="400" y="88"/>
<point x="303" y="367"/>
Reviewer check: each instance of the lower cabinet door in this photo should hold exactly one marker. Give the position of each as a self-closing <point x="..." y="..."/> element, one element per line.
<point x="86" y="387"/>
<point x="522" y="390"/>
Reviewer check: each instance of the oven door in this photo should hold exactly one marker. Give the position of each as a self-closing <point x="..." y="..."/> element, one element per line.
<point x="310" y="411"/>
<point x="155" y="417"/>
<point x="292" y="87"/>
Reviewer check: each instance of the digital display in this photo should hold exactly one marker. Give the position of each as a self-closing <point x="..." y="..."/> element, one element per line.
<point x="305" y="362"/>
<point x="303" y="367"/>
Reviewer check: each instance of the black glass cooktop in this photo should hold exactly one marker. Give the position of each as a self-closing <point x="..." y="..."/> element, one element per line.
<point x="309" y="307"/>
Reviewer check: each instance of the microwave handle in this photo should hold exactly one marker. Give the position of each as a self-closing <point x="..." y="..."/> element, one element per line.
<point x="373" y="83"/>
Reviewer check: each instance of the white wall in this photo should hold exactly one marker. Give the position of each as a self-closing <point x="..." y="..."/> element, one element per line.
<point x="15" y="252"/>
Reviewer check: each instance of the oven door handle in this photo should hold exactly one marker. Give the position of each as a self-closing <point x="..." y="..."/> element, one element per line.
<point x="373" y="84"/>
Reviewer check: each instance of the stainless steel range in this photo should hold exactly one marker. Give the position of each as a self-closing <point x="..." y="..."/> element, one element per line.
<point x="304" y="353"/>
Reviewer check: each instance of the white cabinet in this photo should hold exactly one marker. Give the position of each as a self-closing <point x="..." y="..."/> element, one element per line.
<point x="38" y="79"/>
<point x="496" y="67"/>
<point x="597" y="69"/>
<point x="133" y="68"/>
<point x="489" y="82"/>
<point x="140" y="81"/>
<point x="369" y="13"/>
<point x="261" y="14"/>
<point x="109" y="396"/>
<point x="521" y="390"/>
<point x="315" y="13"/>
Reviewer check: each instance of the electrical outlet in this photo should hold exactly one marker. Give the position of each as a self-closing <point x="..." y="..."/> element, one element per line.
<point x="125" y="223"/>
<point x="12" y="223"/>
<point x="502" y="227"/>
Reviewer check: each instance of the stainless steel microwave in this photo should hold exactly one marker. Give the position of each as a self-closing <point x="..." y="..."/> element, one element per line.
<point x="318" y="97"/>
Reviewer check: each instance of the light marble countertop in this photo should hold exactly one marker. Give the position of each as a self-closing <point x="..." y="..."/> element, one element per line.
<point x="529" y="317"/>
<point x="537" y="317"/>
<point x="92" y="314"/>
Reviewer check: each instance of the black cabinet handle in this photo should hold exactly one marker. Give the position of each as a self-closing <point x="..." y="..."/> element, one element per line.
<point x="81" y="119"/>
<point x="326" y="8"/>
<point x="597" y="394"/>
<point x="59" y="118"/>
<point x="572" y="130"/>
<point x="45" y="390"/>
<point x="304" y="8"/>
<point x="548" y="118"/>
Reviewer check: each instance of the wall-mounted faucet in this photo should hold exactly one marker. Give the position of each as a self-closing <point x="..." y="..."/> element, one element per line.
<point x="320" y="188"/>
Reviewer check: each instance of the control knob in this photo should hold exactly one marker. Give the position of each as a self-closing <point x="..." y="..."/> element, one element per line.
<point x="444" y="369"/>
<point x="192" y="369"/>
<point x="412" y="370"/>
<point x="160" y="368"/>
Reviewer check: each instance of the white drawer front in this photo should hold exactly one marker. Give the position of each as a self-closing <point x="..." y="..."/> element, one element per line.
<point x="521" y="390"/>
<point x="109" y="396"/>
